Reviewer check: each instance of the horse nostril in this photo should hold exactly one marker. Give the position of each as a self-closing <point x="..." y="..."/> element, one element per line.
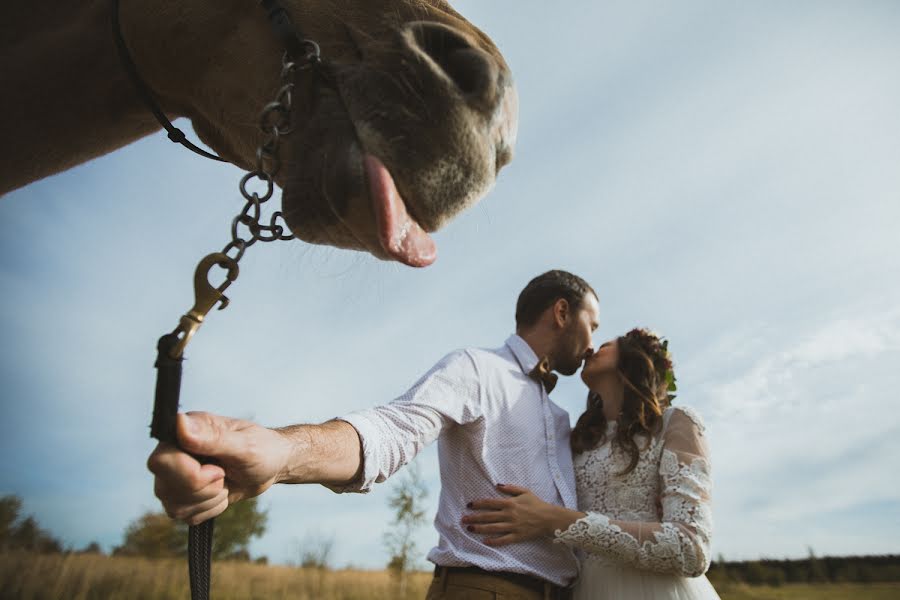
<point x="475" y="73"/>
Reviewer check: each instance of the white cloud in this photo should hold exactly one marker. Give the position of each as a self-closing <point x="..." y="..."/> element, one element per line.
<point x="804" y="431"/>
<point x="807" y="371"/>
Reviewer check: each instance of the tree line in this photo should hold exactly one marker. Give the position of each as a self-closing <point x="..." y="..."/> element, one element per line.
<point x="813" y="569"/>
<point x="152" y="535"/>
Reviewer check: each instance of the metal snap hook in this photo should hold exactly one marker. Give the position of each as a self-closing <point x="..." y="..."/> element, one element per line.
<point x="206" y="297"/>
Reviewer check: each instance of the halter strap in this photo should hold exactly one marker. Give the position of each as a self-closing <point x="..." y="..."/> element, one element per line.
<point x="297" y="47"/>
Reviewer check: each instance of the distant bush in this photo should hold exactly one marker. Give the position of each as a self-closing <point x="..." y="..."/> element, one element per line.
<point x="92" y="548"/>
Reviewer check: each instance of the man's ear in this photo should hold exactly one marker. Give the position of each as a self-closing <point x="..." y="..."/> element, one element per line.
<point x="561" y="312"/>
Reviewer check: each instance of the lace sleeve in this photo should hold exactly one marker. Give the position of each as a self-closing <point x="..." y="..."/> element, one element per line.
<point x="679" y="542"/>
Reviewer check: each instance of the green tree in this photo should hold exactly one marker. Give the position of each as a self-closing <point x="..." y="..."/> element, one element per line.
<point x="755" y="573"/>
<point x="314" y="551"/>
<point x="92" y="548"/>
<point x="314" y="554"/>
<point x="408" y="502"/>
<point x="775" y="576"/>
<point x="817" y="571"/>
<point x="23" y="534"/>
<point x="798" y="571"/>
<point x="235" y="528"/>
<point x="10" y="508"/>
<point x="719" y="573"/>
<point x="155" y="535"/>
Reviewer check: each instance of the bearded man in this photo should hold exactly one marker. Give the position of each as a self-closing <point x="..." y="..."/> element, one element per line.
<point x="490" y="412"/>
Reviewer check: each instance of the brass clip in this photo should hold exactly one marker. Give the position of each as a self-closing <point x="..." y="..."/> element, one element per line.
<point x="205" y="297"/>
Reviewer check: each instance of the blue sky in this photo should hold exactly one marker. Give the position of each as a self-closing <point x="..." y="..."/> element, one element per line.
<point x="723" y="172"/>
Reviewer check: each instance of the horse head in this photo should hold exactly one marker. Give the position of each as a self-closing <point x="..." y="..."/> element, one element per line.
<point x="419" y="115"/>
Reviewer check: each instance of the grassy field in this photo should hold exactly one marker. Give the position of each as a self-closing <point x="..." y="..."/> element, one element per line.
<point x="95" y="577"/>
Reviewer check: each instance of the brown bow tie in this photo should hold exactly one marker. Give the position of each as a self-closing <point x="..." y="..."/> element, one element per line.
<point x="541" y="372"/>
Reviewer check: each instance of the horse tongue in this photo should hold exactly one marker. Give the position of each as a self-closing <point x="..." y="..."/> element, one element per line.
<point x="400" y="236"/>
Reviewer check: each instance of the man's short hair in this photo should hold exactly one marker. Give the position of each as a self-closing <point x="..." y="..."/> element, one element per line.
<point x="544" y="290"/>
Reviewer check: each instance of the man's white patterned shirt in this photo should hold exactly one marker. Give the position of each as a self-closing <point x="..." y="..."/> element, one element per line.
<point x="494" y="424"/>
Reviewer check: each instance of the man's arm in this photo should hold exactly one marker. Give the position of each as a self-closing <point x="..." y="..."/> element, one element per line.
<point x="329" y="453"/>
<point x="249" y="459"/>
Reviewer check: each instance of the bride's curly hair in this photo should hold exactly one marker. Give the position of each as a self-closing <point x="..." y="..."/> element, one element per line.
<point x="647" y="374"/>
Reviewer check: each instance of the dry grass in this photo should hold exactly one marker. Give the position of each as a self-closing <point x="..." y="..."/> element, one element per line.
<point x="94" y="577"/>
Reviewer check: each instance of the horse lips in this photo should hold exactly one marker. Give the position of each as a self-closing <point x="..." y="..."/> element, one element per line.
<point x="400" y="236"/>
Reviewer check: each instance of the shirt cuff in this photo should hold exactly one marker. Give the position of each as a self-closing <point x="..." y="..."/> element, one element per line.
<point x="367" y="432"/>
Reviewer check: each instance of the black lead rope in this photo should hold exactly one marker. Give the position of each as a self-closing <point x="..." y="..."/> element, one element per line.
<point x="165" y="413"/>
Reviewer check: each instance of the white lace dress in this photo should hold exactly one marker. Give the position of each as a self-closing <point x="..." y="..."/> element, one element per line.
<point x="646" y="534"/>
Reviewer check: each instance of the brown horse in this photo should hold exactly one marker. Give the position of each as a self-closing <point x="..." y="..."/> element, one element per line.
<point x="420" y="120"/>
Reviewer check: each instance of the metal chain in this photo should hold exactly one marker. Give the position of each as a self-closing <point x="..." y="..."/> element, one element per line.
<point x="247" y="227"/>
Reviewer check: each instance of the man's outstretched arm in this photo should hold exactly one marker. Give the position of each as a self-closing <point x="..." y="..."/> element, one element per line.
<point x="249" y="459"/>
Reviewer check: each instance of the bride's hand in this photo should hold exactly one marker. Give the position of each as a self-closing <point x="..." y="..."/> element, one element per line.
<point x="523" y="516"/>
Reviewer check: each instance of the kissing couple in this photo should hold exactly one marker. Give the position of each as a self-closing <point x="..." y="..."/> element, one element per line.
<point x="530" y="509"/>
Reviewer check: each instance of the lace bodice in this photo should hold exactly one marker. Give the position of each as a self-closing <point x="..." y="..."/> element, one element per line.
<point x="656" y="517"/>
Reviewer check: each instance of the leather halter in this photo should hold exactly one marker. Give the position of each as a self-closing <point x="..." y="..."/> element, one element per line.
<point x="298" y="47"/>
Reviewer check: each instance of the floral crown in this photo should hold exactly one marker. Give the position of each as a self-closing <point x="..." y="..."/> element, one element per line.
<point x="658" y="348"/>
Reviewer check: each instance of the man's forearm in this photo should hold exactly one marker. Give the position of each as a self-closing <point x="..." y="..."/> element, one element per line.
<point x="330" y="453"/>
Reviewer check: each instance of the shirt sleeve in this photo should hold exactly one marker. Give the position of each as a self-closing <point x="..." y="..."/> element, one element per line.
<point x="392" y="435"/>
<point x="679" y="543"/>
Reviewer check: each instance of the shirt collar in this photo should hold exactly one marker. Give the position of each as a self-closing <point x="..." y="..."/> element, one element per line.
<point x="525" y="356"/>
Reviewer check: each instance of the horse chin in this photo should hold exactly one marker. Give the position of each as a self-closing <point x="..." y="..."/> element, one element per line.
<point x="356" y="205"/>
<point x="346" y="197"/>
<point x="325" y="198"/>
<point x="389" y="155"/>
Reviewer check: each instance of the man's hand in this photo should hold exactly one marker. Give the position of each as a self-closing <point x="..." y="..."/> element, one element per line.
<point x="249" y="459"/>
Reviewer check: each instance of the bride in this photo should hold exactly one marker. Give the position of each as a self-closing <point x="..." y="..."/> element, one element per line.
<point x="643" y="478"/>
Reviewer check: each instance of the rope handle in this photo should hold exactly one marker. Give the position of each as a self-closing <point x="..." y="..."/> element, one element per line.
<point x="163" y="428"/>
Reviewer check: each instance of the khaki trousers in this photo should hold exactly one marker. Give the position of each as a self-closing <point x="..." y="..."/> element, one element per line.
<point x="478" y="586"/>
